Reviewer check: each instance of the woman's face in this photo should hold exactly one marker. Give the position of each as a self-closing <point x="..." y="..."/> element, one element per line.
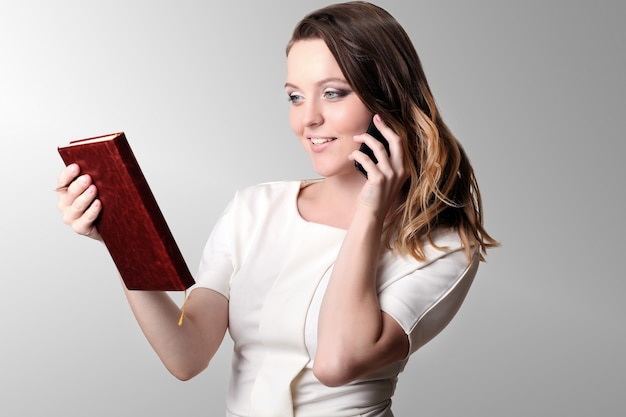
<point x="325" y="112"/>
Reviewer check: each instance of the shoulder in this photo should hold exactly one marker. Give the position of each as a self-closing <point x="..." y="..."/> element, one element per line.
<point x="424" y="296"/>
<point x="269" y="194"/>
<point x="268" y="190"/>
<point x="442" y="243"/>
<point x="256" y="204"/>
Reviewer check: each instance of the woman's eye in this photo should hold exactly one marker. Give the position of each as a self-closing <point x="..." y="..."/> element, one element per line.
<point x="294" y="98"/>
<point x="333" y="94"/>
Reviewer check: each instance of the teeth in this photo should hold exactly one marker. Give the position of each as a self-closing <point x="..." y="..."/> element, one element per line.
<point x="319" y="141"/>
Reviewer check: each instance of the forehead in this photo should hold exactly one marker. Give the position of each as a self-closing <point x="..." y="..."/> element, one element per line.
<point x="310" y="59"/>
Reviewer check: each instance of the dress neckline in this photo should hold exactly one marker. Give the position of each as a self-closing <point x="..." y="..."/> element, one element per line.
<point x="300" y="186"/>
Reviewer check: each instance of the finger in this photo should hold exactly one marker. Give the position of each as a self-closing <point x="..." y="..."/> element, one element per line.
<point x="363" y="159"/>
<point x="74" y="207"/>
<point x="84" y="225"/>
<point x="85" y="199"/>
<point x="396" y="151"/>
<point x="69" y="193"/>
<point x="377" y="147"/>
<point x="395" y="148"/>
<point x="378" y="159"/>
<point x="67" y="175"/>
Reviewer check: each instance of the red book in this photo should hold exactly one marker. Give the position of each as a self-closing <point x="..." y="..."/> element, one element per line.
<point x="131" y="223"/>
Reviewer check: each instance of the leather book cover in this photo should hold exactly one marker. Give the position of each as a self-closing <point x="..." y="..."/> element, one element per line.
<point x="131" y="223"/>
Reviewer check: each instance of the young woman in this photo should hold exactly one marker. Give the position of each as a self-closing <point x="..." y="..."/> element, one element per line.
<point x="328" y="286"/>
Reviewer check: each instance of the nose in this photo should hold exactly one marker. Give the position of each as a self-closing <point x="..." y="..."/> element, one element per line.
<point x="312" y="113"/>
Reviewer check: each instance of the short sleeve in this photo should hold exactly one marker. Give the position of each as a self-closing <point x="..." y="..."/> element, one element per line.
<point x="216" y="264"/>
<point x="425" y="301"/>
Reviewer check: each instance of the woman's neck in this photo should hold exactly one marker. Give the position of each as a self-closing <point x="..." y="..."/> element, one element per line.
<point x="331" y="201"/>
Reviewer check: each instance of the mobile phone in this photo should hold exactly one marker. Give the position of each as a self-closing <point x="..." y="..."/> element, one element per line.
<point x="372" y="130"/>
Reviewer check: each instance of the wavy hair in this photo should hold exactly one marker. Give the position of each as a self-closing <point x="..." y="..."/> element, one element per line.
<point x="380" y="63"/>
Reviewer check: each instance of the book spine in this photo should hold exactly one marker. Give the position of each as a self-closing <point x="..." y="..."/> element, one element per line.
<point x="158" y="220"/>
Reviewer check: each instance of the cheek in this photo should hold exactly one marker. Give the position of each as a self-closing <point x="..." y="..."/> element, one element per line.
<point x="294" y="121"/>
<point x="351" y="119"/>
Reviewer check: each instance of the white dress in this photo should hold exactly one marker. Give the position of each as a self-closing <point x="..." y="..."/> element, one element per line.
<point x="273" y="267"/>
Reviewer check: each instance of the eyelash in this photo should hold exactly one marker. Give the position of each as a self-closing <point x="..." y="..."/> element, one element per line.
<point x="294" y="98"/>
<point x="336" y="94"/>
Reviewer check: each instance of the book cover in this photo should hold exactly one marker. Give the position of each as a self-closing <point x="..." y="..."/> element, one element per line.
<point x="131" y="223"/>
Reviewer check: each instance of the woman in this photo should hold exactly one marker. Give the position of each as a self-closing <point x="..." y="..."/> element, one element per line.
<point x="328" y="286"/>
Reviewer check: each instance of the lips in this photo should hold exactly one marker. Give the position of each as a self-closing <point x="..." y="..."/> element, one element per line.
<point x="321" y="141"/>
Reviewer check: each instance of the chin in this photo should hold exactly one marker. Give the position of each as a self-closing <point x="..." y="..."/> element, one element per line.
<point x="335" y="170"/>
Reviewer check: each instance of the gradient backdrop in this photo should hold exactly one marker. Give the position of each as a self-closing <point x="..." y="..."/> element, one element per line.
<point x="533" y="89"/>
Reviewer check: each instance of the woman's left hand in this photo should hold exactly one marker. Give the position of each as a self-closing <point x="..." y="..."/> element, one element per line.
<point x="384" y="179"/>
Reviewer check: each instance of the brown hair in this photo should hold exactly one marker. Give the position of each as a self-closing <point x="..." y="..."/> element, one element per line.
<point x="381" y="64"/>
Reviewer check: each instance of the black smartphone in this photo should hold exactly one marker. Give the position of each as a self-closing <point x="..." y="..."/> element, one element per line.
<point x="372" y="130"/>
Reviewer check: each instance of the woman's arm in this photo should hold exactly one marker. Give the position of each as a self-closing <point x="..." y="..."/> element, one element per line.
<point x="185" y="350"/>
<point x="354" y="336"/>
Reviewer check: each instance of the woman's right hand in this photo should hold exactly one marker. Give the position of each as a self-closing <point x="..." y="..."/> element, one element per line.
<point x="78" y="201"/>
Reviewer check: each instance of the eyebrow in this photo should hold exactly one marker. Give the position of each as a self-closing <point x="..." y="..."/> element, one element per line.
<point x="322" y="82"/>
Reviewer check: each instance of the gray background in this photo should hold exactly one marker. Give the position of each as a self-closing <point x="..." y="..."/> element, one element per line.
<point x="533" y="89"/>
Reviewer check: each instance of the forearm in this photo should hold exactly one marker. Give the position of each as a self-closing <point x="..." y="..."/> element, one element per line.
<point x="350" y="320"/>
<point x="185" y="350"/>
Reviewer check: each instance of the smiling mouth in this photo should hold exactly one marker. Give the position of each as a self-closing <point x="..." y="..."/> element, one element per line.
<point x="321" y="141"/>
